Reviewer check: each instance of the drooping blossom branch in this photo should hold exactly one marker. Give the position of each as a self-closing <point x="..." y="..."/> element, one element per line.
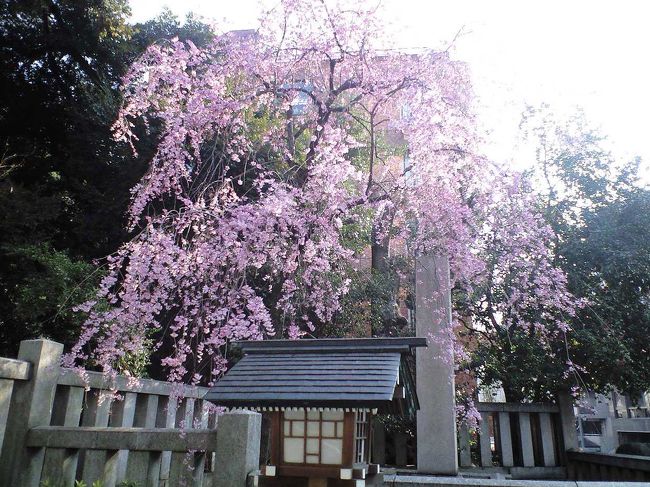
<point x="239" y="222"/>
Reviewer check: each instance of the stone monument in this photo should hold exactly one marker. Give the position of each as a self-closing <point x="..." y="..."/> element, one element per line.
<point x="436" y="418"/>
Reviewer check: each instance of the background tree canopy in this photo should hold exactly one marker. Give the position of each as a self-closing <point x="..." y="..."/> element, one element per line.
<point x="598" y="211"/>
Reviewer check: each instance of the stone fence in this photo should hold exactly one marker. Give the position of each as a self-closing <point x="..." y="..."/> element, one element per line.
<point x="526" y="440"/>
<point x="521" y="441"/>
<point x="56" y="427"/>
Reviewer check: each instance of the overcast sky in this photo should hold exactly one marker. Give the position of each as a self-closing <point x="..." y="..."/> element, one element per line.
<point x="589" y="53"/>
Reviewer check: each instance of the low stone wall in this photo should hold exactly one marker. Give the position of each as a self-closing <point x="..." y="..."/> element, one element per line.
<point x="599" y="466"/>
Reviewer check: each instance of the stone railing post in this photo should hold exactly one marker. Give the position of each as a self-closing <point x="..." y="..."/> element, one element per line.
<point x="31" y="406"/>
<point x="238" y="448"/>
<point x="400" y="441"/>
<point x="378" y="443"/>
<point x="484" y="440"/>
<point x="568" y="423"/>
<point x="464" y="449"/>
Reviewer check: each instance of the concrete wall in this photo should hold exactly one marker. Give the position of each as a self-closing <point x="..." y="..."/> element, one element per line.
<point x="608" y="409"/>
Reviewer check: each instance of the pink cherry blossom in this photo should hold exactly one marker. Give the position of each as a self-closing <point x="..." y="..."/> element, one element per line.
<point x="238" y="224"/>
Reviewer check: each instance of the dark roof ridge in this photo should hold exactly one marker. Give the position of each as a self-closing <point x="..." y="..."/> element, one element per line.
<point x="310" y="345"/>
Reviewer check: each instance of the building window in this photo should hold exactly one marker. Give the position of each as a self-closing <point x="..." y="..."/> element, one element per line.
<point x="312" y="437"/>
<point x="592" y="426"/>
<point x="361" y="436"/>
<point x="405" y="112"/>
<point x="590" y="433"/>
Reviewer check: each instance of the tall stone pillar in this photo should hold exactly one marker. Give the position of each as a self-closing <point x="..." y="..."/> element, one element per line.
<point x="436" y="419"/>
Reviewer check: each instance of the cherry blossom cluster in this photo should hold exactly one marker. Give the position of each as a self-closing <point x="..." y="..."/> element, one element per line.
<point x="238" y="223"/>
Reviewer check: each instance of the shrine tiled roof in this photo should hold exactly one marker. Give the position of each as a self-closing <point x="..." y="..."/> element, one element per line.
<point x="345" y="373"/>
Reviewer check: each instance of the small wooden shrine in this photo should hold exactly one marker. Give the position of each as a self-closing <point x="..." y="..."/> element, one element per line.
<point x="319" y="396"/>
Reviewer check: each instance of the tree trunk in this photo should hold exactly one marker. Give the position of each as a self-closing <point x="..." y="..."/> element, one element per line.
<point x="385" y="307"/>
<point x="380" y="252"/>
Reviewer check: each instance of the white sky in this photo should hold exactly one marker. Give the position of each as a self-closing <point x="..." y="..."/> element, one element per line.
<point x="589" y="53"/>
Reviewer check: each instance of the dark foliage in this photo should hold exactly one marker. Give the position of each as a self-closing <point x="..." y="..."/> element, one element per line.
<point x="64" y="183"/>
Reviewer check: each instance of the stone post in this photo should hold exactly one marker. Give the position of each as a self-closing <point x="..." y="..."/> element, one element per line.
<point x="97" y="412"/>
<point x="122" y="416"/>
<point x="526" y="436"/>
<point x="548" y="449"/>
<point x="378" y="443"/>
<point x="238" y="448"/>
<point x="464" y="448"/>
<point x="505" y="440"/>
<point x="400" y="441"/>
<point x="167" y="409"/>
<point x="484" y="440"/>
<point x="31" y="406"/>
<point x="60" y="463"/>
<point x="436" y="419"/>
<point x="567" y="423"/>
